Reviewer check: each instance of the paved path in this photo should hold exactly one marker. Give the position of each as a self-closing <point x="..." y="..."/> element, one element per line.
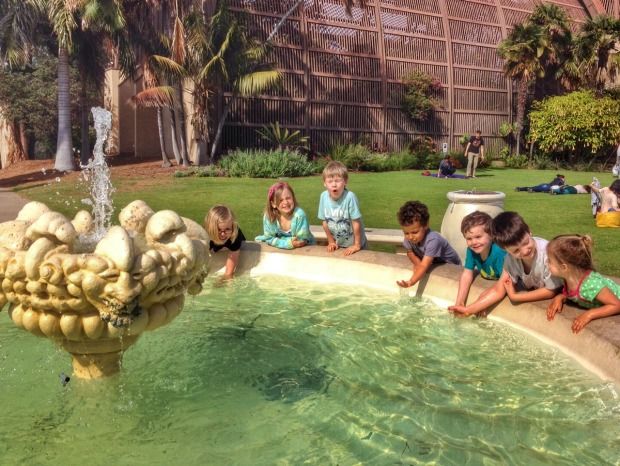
<point x="10" y="204"/>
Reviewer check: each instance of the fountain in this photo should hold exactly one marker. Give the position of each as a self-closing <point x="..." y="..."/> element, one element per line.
<point x="95" y="289"/>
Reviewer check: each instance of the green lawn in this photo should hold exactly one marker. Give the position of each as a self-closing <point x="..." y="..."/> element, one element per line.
<point x="380" y="195"/>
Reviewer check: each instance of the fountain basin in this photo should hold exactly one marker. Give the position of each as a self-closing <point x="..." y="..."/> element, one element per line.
<point x="597" y="347"/>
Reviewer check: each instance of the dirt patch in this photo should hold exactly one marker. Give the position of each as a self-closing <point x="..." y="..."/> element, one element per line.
<point x="141" y="172"/>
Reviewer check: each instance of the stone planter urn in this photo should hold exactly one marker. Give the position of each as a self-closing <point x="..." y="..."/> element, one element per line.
<point x="463" y="203"/>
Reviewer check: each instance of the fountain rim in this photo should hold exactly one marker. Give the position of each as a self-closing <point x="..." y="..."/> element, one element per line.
<point x="596" y="347"/>
<point x="475" y="197"/>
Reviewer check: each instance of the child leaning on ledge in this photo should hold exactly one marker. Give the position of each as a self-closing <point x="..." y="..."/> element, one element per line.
<point x="224" y="232"/>
<point x="482" y="254"/>
<point x="285" y="224"/>
<point x="525" y="265"/>
<point x="339" y="210"/>
<point x="424" y="246"/>
<point x="570" y="258"/>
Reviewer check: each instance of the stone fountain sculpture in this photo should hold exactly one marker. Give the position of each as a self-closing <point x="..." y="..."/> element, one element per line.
<point x="95" y="298"/>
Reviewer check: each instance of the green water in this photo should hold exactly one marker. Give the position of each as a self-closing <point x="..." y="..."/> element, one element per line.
<point x="279" y="372"/>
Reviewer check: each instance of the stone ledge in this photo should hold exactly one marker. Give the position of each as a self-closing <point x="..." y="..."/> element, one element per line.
<point x="597" y="346"/>
<point x="373" y="235"/>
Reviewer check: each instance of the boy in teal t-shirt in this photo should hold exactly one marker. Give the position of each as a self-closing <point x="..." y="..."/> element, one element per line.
<point x="482" y="253"/>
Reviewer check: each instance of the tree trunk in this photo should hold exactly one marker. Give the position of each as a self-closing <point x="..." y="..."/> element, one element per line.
<point x="162" y="144"/>
<point x="521" y="101"/>
<point x="175" y="141"/>
<point x="183" y="134"/>
<point x="25" y="141"/>
<point x="64" y="153"/>
<point x="220" y="129"/>
<point x="85" y="151"/>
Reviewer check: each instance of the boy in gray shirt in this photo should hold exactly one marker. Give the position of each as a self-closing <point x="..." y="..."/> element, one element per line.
<point x="525" y="267"/>
<point x="424" y="247"/>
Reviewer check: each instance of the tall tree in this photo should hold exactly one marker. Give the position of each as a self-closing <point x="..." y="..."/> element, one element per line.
<point x="522" y="51"/>
<point x="595" y="47"/>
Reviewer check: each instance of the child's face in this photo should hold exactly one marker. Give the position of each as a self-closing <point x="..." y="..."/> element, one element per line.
<point x="224" y="230"/>
<point x="286" y="204"/>
<point x="478" y="240"/>
<point x="555" y="267"/>
<point x="524" y="250"/>
<point x="335" y="186"/>
<point x="415" y="232"/>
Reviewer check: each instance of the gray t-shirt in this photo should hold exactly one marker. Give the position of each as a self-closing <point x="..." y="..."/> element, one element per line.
<point x="539" y="276"/>
<point x="339" y="215"/>
<point x="434" y="245"/>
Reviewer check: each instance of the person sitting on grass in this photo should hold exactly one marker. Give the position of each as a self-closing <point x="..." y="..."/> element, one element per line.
<point x="482" y="253"/>
<point x="609" y="196"/>
<point x="424" y="247"/>
<point x="446" y="168"/>
<point x="559" y="180"/>
<point x="570" y="258"/>
<point x="525" y="267"/>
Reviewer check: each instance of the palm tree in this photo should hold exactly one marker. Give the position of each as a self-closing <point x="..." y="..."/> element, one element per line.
<point x="596" y="45"/>
<point x="522" y="51"/>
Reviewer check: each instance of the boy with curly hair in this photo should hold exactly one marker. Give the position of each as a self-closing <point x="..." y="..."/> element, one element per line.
<point x="424" y="246"/>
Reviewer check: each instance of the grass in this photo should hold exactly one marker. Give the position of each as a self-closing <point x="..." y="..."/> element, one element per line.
<point x="380" y="195"/>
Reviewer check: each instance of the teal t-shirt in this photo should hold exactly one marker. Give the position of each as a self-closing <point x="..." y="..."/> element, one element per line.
<point x="492" y="267"/>
<point x="339" y="214"/>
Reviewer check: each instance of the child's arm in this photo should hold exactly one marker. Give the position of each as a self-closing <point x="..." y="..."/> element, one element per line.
<point x="331" y="242"/>
<point x="485" y="300"/>
<point x="610" y="307"/>
<point x="300" y="229"/>
<point x="357" y="238"/>
<point x="527" y="296"/>
<point x="231" y="264"/>
<point x="555" y="306"/>
<point x="467" y="278"/>
<point x="270" y="235"/>
<point x="419" y="269"/>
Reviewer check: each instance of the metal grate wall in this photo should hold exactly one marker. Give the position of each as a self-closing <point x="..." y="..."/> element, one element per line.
<point x="342" y="74"/>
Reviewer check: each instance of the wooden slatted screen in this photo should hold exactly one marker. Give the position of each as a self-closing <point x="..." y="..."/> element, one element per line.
<point x="342" y="75"/>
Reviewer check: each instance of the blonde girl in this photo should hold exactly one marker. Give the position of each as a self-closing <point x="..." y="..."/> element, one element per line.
<point x="570" y="258"/>
<point x="285" y="224"/>
<point x="224" y="232"/>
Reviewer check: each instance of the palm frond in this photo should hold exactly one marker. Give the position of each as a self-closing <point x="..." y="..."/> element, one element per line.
<point x="167" y="66"/>
<point x="177" y="49"/>
<point x="154" y="97"/>
<point x="257" y="82"/>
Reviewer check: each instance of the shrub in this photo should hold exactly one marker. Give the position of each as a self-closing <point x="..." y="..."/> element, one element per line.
<point x="267" y="164"/>
<point x="354" y="156"/>
<point x="516" y="161"/>
<point x="577" y="123"/>
<point x="280" y="138"/>
<point x="391" y="162"/>
<point x="505" y="129"/>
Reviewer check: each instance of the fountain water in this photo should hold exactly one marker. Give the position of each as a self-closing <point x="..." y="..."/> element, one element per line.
<point x="94" y="289"/>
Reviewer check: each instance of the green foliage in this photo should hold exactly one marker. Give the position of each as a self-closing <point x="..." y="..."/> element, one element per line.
<point x="579" y="123"/>
<point x="504" y="153"/>
<point x="505" y="129"/>
<point x="418" y="100"/>
<point x="354" y="156"/>
<point x="516" y="161"/>
<point x="383" y="162"/>
<point x="267" y="164"/>
<point x="464" y="139"/>
<point x="281" y="138"/>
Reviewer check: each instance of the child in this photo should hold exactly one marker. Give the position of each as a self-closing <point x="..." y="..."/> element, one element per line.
<point x="446" y="167"/>
<point x="482" y="253"/>
<point x="285" y="225"/>
<point x="339" y="210"/>
<point x="525" y="264"/>
<point x="424" y="247"/>
<point x="570" y="258"/>
<point x="224" y="232"/>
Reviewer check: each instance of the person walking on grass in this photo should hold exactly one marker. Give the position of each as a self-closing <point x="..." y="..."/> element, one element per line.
<point x="474" y="153"/>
